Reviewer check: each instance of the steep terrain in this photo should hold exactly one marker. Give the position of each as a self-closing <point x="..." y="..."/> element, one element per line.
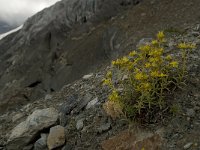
<point x="74" y="118"/>
<point x="75" y="37"/>
<point x="61" y="43"/>
<point x="55" y="47"/>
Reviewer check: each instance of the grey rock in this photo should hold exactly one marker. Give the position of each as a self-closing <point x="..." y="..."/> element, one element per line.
<point x="79" y="124"/>
<point x="25" y="132"/>
<point x="67" y="147"/>
<point x="104" y="127"/>
<point x="92" y="103"/>
<point x="56" y="137"/>
<point x="86" y="99"/>
<point x="41" y="144"/>
<point x="86" y="77"/>
<point x="190" y="112"/>
<point x="69" y="104"/>
<point x="188" y="145"/>
<point x="48" y="97"/>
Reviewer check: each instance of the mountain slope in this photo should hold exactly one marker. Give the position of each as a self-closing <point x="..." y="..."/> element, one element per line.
<point x="61" y="43"/>
<point x="10" y="32"/>
<point x="36" y="60"/>
<point x="80" y="106"/>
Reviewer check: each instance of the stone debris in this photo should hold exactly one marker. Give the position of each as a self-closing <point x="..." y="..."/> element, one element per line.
<point x="25" y="132"/>
<point x="82" y="123"/>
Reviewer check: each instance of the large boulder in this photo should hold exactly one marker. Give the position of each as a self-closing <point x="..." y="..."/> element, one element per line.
<point x="27" y="131"/>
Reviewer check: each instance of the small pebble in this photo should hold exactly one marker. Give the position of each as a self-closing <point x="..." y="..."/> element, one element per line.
<point x="87" y="76"/>
<point x="79" y="124"/>
<point x="188" y="145"/>
<point x="190" y="112"/>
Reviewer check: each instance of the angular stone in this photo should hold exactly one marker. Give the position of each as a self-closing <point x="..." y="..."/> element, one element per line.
<point x="41" y="144"/>
<point x="104" y="127"/>
<point x="79" y="124"/>
<point x="190" y="112"/>
<point x="26" y="131"/>
<point x="56" y="137"/>
<point x="92" y="103"/>
<point x="82" y="103"/>
<point x="188" y="145"/>
<point x="69" y="104"/>
<point x="48" y="97"/>
<point x="87" y="76"/>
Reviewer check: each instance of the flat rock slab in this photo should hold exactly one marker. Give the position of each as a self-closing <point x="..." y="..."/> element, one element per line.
<point x="56" y="137"/>
<point x="26" y="131"/>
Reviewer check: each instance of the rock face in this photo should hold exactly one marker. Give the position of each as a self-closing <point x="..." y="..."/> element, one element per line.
<point x="26" y="131"/>
<point x="56" y="137"/>
<point x="55" y="47"/>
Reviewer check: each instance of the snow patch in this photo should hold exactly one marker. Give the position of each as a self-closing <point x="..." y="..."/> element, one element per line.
<point x="9" y="32"/>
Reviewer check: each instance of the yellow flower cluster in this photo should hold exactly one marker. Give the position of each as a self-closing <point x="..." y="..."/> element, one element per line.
<point x="186" y="45"/>
<point x="121" y="62"/>
<point x="132" y="54"/>
<point x="141" y="76"/>
<point x="148" y="72"/>
<point x="161" y="37"/>
<point x="114" y="96"/>
<point x="174" y="64"/>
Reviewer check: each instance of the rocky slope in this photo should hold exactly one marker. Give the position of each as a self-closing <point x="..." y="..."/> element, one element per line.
<point x="62" y="43"/>
<point x="74" y="118"/>
<point x="55" y="47"/>
<point x="71" y="38"/>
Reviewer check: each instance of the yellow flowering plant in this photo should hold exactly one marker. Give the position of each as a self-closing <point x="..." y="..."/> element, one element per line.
<point x="149" y="73"/>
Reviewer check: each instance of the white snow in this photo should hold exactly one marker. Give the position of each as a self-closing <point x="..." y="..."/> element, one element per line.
<point x="9" y="32"/>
